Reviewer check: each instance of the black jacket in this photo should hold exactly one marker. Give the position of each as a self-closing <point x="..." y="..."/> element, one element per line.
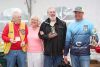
<point x="53" y="46"/>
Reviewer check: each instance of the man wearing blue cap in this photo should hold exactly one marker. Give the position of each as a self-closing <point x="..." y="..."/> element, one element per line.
<point x="78" y="40"/>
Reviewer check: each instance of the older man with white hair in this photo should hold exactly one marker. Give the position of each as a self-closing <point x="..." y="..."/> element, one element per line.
<point x="53" y="33"/>
<point x="15" y="38"/>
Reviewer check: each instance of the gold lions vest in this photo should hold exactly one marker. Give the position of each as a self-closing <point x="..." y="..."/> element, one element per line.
<point x="7" y="45"/>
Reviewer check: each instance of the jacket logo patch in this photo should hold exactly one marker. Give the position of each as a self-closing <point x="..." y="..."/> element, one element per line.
<point x="85" y="28"/>
<point x="22" y="31"/>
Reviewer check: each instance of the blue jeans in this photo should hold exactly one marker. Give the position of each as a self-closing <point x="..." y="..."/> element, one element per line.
<point x="52" y="61"/>
<point x="80" y="61"/>
<point x="16" y="56"/>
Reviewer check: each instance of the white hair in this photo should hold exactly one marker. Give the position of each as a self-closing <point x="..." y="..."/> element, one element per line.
<point x="16" y="11"/>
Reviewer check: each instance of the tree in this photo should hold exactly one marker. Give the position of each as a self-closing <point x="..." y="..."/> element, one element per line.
<point x="29" y="7"/>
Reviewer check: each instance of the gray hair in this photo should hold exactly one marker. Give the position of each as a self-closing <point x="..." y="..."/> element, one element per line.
<point x="16" y="11"/>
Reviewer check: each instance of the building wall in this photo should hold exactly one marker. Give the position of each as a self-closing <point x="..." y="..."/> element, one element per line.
<point x="39" y="7"/>
<point x="91" y="7"/>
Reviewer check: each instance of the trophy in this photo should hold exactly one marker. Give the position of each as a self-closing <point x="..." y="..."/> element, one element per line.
<point x="53" y="29"/>
<point x="53" y="32"/>
<point x="93" y="40"/>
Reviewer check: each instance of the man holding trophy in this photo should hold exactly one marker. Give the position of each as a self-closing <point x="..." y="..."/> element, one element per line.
<point x="53" y="33"/>
<point x="78" y="39"/>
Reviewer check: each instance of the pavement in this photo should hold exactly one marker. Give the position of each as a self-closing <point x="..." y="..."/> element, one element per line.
<point x="94" y="63"/>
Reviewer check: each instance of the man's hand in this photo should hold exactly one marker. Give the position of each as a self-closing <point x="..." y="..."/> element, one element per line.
<point x="22" y="43"/>
<point x="65" y="59"/>
<point x="13" y="41"/>
<point x="52" y="35"/>
<point x="41" y="33"/>
<point x="98" y="45"/>
<point x="94" y="45"/>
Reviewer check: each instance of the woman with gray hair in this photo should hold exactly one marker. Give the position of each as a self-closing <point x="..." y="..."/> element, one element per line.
<point x="35" y="45"/>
